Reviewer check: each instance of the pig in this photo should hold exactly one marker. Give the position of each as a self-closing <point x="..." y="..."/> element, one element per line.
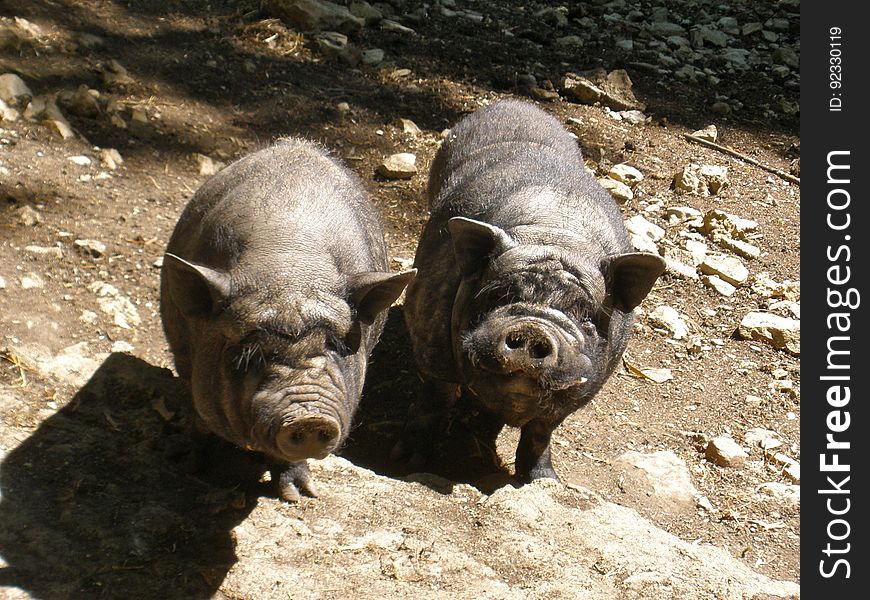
<point x="526" y="280"/>
<point x="273" y="293"/>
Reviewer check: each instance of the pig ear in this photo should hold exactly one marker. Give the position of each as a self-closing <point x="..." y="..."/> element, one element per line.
<point x="633" y="276"/>
<point x="195" y="288"/>
<point x="474" y="242"/>
<point x="375" y="291"/>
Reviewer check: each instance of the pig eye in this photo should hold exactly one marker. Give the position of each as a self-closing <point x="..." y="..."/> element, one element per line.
<point x="249" y="357"/>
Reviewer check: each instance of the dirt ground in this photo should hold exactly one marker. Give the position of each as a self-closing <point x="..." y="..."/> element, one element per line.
<point x="221" y="78"/>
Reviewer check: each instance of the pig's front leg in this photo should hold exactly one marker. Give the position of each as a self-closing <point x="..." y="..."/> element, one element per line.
<point x="293" y="481"/>
<point x="533" y="451"/>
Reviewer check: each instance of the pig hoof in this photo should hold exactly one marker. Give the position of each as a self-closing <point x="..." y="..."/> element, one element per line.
<point x="408" y="455"/>
<point x="293" y="481"/>
<point x="539" y="473"/>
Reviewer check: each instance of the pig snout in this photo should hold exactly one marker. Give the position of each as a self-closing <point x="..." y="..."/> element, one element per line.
<point x="532" y="347"/>
<point x="311" y="436"/>
<point x="526" y="347"/>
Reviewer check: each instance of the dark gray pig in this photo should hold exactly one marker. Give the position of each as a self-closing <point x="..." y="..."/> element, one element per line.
<point x="526" y="279"/>
<point x="274" y="291"/>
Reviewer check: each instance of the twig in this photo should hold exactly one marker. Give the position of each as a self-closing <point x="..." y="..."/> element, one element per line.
<point x="743" y="157"/>
<point x="13" y="358"/>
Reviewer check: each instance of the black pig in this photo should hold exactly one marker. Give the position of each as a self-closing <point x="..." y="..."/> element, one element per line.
<point x="526" y="279"/>
<point x="274" y="291"/>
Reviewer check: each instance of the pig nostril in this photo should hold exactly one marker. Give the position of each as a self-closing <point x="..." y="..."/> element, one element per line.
<point x="540" y="349"/>
<point x="514" y="341"/>
<point x="297" y="437"/>
<point x="324" y="436"/>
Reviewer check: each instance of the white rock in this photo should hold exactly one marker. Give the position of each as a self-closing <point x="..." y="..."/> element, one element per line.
<point x="390" y="25"/>
<point x="780" y="332"/>
<point x="74" y="364"/>
<point x="759" y="437"/>
<point x="791" y="467"/>
<point x="639" y="225"/>
<point x="767" y="287"/>
<point x="52" y="251"/>
<point x="641" y="243"/>
<point x="702" y="180"/>
<point x="688" y="180"/>
<point x="335" y="45"/>
<point x="111" y="302"/>
<point x="7" y="113"/>
<point x="82" y="161"/>
<point x="698" y="250"/>
<point x="399" y="166"/>
<point x="725" y="452"/>
<point x="787" y="308"/>
<point x="709" y="133"/>
<point x="611" y="89"/>
<point x="207" y="166"/>
<point x="684" y="214"/>
<point x="139" y="115"/>
<point x="94" y="248"/>
<point x="658" y="375"/>
<point x="13" y="88"/>
<point x="114" y="74"/>
<point x="662" y="476"/>
<point x="728" y="268"/>
<point x="718" y="222"/>
<point x="32" y="281"/>
<point x="717" y="283"/>
<point x="408" y="127"/>
<point x="2" y="283"/>
<point x="677" y="263"/>
<point x="635" y="117"/>
<point x="625" y="173"/>
<point x="716" y="178"/>
<point x="739" y="247"/>
<point x="372" y="56"/>
<point x="620" y="191"/>
<point x="111" y="158"/>
<point x="89" y="317"/>
<point x="783" y="492"/>
<point x="668" y="318"/>
<point x="122" y="346"/>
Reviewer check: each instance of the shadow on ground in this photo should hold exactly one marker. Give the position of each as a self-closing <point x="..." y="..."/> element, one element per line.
<point x="463" y="453"/>
<point x="100" y="501"/>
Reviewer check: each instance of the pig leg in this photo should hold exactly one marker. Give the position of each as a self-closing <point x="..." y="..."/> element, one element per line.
<point x="293" y="481"/>
<point x="427" y="424"/>
<point x="533" y="451"/>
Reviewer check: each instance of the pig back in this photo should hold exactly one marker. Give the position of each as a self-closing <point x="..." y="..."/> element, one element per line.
<point x="514" y="166"/>
<point x="289" y="207"/>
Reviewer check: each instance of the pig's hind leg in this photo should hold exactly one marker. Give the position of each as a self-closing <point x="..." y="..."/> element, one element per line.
<point x="426" y="425"/>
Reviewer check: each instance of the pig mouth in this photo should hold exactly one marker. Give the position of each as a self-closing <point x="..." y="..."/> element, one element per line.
<point x="519" y="397"/>
<point x="521" y="383"/>
<point x="304" y="419"/>
<point x="519" y="379"/>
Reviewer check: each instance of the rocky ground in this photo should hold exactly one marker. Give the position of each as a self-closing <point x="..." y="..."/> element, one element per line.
<point x="681" y="480"/>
